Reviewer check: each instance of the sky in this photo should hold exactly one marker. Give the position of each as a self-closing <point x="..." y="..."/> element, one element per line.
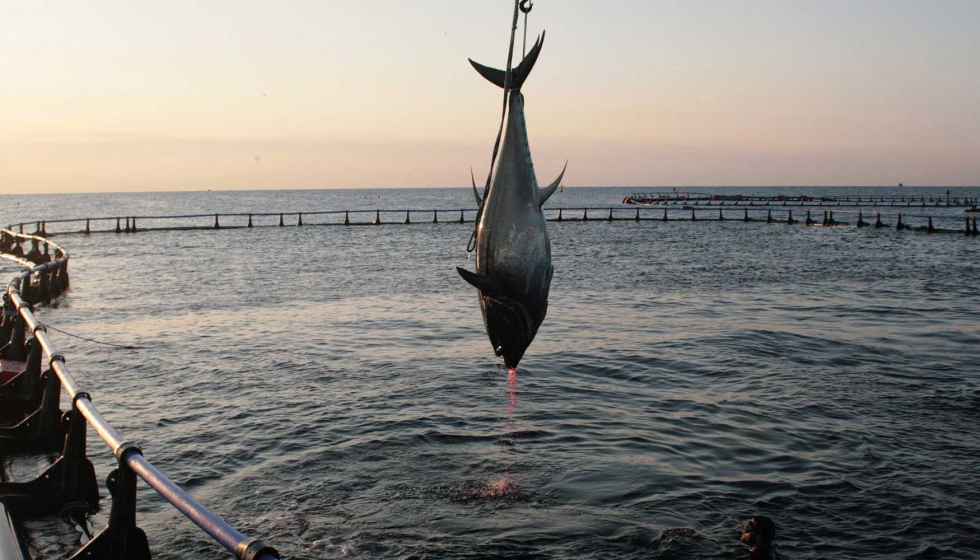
<point x="190" y="95"/>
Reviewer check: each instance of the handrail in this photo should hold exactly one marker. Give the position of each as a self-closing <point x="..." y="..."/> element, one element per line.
<point x="124" y="451"/>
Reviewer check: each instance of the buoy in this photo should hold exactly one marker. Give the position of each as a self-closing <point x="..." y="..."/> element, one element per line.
<point x="249" y="220"/>
<point x="407" y="219"/>
<point x="281" y="223"/>
<point x="216" y="224"/>
<point x="346" y="218"/>
<point x="377" y="218"/>
<point x="435" y="216"/>
<point x="300" y="222"/>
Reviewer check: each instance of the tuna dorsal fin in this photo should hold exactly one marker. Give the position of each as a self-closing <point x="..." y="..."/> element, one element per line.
<point x="481" y="282"/>
<point x="479" y="200"/>
<point x="545" y="193"/>
<point x="518" y="75"/>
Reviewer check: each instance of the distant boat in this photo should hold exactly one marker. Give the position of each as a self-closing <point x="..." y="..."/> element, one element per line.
<point x="561" y="188"/>
<point x="901" y="185"/>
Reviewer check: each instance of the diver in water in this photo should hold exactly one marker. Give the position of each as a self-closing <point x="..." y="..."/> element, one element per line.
<point x="758" y="533"/>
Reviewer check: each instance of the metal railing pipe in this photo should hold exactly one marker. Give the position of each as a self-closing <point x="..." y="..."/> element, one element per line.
<point x="208" y="521"/>
<point x="212" y="524"/>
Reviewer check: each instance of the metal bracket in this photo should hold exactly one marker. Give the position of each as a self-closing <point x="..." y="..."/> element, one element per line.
<point x="121" y="539"/>
<point x="69" y="481"/>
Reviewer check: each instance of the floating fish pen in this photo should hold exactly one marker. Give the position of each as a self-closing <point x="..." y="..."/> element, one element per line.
<point x="674" y="198"/>
<point x="33" y="377"/>
<point x="936" y="222"/>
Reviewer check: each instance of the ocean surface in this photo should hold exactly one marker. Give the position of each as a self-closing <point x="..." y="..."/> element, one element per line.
<point x="333" y="390"/>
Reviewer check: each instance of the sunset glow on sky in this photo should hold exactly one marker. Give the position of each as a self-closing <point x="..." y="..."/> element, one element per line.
<point x="224" y="95"/>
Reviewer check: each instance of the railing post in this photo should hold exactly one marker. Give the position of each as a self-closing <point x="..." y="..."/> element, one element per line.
<point x="929" y="227"/>
<point x="346" y="218"/>
<point x="121" y="539"/>
<point x="664" y="219"/>
<point x="118" y="228"/>
<point x="281" y="223"/>
<point x="300" y="222"/>
<point x="88" y="228"/>
<point x="134" y="224"/>
<point x="808" y="221"/>
<point x="435" y="216"/>
<point x="377" y="217"/>
<point x="637" y="217"/>
<point x="127" y="225"/>
<point x="408" y="220"/>
<point x="745" y="218"/>
<point x="216" y="224"/>
<point x="898" y="225"/>
<point x="460" y="216"/>
<point x="585" y="215"/>
<point x="249" y="220"/>
<point x="878" y="222"/>
<point x="559" y="215"/>
<point x="16" y="351"/>
<point x="769" y="216"/>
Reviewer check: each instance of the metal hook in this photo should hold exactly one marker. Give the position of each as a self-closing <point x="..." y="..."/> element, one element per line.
<point x="525" y="8"/>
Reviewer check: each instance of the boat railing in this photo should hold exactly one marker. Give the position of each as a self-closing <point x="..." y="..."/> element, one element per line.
<point x="71" y="478"/>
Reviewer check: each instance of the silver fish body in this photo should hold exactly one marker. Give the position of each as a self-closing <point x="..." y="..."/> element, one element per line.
<point x="513" y="252"/>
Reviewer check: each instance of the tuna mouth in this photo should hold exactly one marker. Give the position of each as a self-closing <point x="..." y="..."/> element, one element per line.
<point x="511" y="327"/>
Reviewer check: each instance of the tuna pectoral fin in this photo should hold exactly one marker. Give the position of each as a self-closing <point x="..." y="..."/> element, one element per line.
<point x="518" y="75"/>
<point x="545" y="193"/>
<point x="479" y="200"/>
<point x="481" y="282"/>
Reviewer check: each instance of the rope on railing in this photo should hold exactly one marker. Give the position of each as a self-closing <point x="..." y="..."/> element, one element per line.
<point x="71" y="478"/>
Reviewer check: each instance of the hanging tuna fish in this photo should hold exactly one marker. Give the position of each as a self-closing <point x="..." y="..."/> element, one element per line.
<point x="513" y="253"/>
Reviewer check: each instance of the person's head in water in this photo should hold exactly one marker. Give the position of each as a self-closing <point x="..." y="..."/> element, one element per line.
<point x="758" y="533"/>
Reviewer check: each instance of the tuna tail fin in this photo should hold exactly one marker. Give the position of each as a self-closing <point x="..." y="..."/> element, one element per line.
<point x="518" y="75"/>
<point x="545" y="193"/>
<point x="479" y="200"/>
